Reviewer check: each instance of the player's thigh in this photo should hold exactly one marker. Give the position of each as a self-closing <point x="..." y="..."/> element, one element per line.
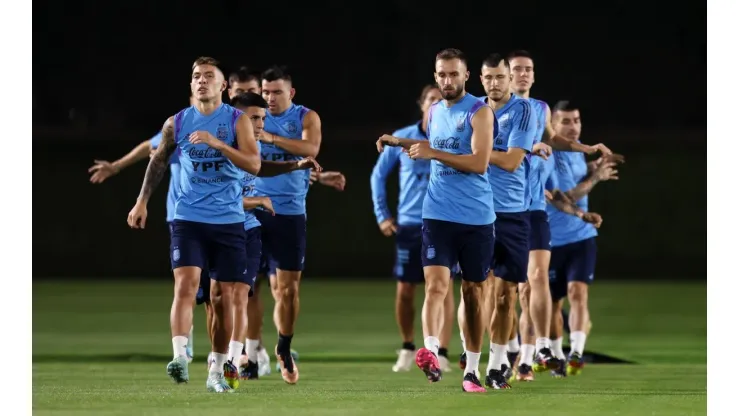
<point x="511" y="251"/>
<point x="290" y="253"/>
<point x="439" y="247"/>
<point x="582" y="262"/>
<point x="475" y="249"/>
<point x="408" y="268"/>
<point x="270" y="240"/>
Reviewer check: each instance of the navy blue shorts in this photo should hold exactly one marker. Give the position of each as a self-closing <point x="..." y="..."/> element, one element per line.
<point x="574" y="262"/>
<point x="539" y="231"/>
<point x="220" y="248"/>
<point x="283" y="241"/>
<point x="448" y="243"/>
<point x="511" y="253"/>
<point x="204" y="287"/>
<point x="408" y="254"/>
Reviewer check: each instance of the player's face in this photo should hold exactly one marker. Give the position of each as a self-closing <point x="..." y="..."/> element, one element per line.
<point x="278" y="95"/>
<point x="567" y="124"/>
<point x="523" y="71"/>
<point x="451" y="75"/>
<point x="496" y="81"/>
<point x="433" y="96"/>
<point x="256" y="116"/>
<point x="207" y="83"/>
<point x="237" y="88"/>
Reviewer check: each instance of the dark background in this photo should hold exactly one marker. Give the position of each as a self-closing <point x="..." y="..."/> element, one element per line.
<point x="107" y="75"/>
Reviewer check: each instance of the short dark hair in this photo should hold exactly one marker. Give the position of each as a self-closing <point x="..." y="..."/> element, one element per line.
<point x="206" y="60"/>
<point x="564" y="105"/>
<point x="249" y="99"/>
<point x="451" y="53"/>
<point x="275" y="73"/>
<point x="425" y="91"/>
<point x="243" y="74"/>
<point x="494" y="60"/>
<point x="519" y="53"/>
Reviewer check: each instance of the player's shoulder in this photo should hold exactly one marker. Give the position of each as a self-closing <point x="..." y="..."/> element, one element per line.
<point x="537" y="103"/>
<point x="301" y="111"/>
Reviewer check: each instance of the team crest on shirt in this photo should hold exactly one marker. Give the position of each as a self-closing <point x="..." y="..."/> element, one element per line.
<point x="222" y="132"/>
<point x="431" y="253"/>
<point x="290" y="127"/>
<point x="503" y="121"/>
<point x="460" y="123"/>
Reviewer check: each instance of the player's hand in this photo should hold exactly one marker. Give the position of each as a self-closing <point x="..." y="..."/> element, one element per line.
<point x="542" y="150"/>
<point x="313" y="178"/>
<point x="548" y="195"/>
<point x="334" y="180"/>
<point x="386" y="140"/>
<point x="206" y="138"/>
<point x="266" y="137"/>
<point x="266" y="204"/>
<point x="599" y="148"/>
<point x="137" y="216"/>
<point x="605" y="171"/>
<point x="421" y="150"/>
<point x="309" y="163"/>
<point x="102" y="170"/>
<point x="388" y="227"/>
<point x="592" y="218"/>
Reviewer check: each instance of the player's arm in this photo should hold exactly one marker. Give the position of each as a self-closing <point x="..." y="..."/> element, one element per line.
<point x="246" y="156"/>
<point x="481" y="144"/>
<point x="604" y="171"/>
<point x="159" y="162"/>
<point x="311" y="138"/>
<point x="102" y="169"/>
<point x="252" y="202"/>
<point x="393" y="141"/>
<point x="387" y="161"/>
<point x="558" y="142"/>
<point x="270" y="168"/>
<point x="562" y="202"/>
<point x="521" y="139"/>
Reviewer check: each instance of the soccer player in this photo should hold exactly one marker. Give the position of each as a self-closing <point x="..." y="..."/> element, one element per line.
<point x="216" y="145"/>
<point x="413" y="178"/>
<point x="509" y="176"/>
<point x="254" y="107"/>
<point x="291" y="132"/>
<point x="573" y="237"/>
<point x="458" y="212"/>
<point x="243" y="80"/>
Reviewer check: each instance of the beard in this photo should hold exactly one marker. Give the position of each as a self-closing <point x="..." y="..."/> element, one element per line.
<point x="452" y="94"/>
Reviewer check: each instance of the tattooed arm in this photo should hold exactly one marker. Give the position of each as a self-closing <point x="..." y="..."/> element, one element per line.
<point x="158" y="164"/>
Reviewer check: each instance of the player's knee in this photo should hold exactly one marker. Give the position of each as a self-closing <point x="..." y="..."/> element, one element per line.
<point x="538" y="277"/>
<point x="577" y="293"/>
<point x="436" y="287"/>
<point x="288" y="290"/>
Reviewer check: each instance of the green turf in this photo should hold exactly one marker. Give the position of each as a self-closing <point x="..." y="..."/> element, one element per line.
<point x="88" y="337"/>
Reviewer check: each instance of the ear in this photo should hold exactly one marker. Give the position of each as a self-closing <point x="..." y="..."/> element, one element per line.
<point x="224" y="86"/>
<point x="467" y="75"/>
<point x="292" y="92"/>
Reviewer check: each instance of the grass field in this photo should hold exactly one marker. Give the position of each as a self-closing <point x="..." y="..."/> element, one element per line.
<point x="101" y="349"/>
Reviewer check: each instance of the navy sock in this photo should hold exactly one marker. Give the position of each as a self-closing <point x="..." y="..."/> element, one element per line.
<point x="409" y="346"/>
<point x="442" y="352"/>
<point x="284" y="343"/>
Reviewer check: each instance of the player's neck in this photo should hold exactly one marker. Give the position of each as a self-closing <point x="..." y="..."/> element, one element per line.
<point x="501" y="103"/>
<point x="450" y="103"/>
<point x="207" y="107"/>
<point x="524" y="94"/>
